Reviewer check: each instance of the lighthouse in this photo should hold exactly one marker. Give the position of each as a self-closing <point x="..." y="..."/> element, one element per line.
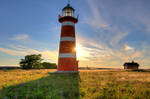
<point x="67" y="61"/>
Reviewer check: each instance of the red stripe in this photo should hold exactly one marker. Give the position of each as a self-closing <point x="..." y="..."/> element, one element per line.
<point x="68" y="31"/>
<point x="67" y="47"/>
<point x="67" y="64"/>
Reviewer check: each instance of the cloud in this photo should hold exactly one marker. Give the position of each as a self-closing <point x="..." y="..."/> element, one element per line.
<point x="99" y="54"/>
<point x="10" y="62"/>
<point x="137" y="54"/>
<point x="96" y="19"/>
<point x="19" y="51"/>
<point x="128" y="48"/>
<point x="116" y="39"/>
<point x="105" y="29"/>
<point x="12" y="52"/>
<point x="19" y="37"/>
<point x="47" y="55"/>
<point x="82" y="52"/>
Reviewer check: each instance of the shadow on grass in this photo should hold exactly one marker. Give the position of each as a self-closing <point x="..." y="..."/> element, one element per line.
<point x="55" y="86"/>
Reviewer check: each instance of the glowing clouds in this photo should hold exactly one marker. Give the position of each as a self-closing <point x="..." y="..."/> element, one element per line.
<point x="128" y="48"/>
<point x="82" y="52"/>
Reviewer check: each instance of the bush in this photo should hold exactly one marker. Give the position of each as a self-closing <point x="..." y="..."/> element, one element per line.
<point x="47" y="65"/>
<point x="31" y="61"/>
<point x="34" y="62"/>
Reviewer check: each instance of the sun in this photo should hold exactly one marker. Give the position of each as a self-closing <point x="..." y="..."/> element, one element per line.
<point x="79" y="50"/>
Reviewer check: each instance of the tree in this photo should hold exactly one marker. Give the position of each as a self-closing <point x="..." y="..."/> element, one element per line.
<point x="31" y="61"/>
<point x="48" y="65"/>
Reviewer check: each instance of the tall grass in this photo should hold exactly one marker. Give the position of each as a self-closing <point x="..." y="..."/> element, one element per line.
<point x="94" y="84"/>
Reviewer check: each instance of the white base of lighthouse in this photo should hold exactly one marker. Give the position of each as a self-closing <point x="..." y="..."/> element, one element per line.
<point x="60" y="72"/>
<point x="66" y="71"/>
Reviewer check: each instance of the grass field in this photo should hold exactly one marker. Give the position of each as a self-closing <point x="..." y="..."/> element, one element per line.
<point x="88" y="84"/>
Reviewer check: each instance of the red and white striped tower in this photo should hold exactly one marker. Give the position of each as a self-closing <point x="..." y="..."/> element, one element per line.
<point x="67" y="54"/>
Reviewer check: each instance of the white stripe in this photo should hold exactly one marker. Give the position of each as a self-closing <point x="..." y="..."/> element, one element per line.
<point x="67" y="39"/>
<point x="67" y="23"/>
<point x="67" y="55"/>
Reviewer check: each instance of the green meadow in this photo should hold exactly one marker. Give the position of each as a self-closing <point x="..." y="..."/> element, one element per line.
<point x="87" y="84"/>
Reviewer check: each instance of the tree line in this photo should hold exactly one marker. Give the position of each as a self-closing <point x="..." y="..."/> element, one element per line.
<point x="34" y="61"/>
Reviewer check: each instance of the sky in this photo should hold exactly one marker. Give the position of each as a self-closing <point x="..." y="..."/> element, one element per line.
<point x="109" y="32"/>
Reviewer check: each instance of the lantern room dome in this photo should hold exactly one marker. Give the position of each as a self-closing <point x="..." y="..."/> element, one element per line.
<point x="68" y="7"/>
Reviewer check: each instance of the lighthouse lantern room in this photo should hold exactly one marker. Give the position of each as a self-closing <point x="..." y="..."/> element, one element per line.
<point x="68" y="11"/>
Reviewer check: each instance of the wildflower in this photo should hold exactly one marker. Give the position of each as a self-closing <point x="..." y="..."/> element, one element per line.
<point x="15" y="97"/>
<point x="60" y="94"/>
<point x="22" y="83"/>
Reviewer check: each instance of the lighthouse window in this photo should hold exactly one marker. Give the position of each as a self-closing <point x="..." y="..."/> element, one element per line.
<point x="68" y="12"/>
